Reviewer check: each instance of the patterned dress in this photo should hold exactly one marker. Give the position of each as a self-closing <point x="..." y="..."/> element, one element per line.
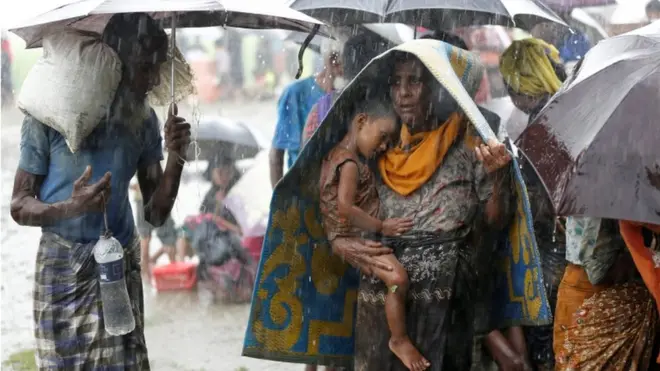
<point x="366" y="195"/>
<point x="445" y="271"/>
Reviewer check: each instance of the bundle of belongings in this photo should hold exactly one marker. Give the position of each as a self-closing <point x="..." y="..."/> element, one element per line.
<point x="226" y="268"/>
<point x="72" y="86"/>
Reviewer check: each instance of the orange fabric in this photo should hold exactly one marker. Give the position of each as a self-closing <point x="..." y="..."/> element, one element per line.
<point x="612" y="330"/>
<point x="573" y="290"/>
<point x="643" y="258"/>
<point x="406" y="167"/>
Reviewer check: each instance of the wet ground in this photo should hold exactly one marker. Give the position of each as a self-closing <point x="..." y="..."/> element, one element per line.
<point x="184" y="331"/>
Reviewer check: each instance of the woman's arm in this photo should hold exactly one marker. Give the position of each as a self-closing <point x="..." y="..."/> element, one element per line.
<point x="348" y="181"/>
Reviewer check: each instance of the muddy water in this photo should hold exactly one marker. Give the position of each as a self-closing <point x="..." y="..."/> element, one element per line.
<point x="184" y="331"/>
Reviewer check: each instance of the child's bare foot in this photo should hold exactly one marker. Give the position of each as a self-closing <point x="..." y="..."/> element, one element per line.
<point x="408" y="354"/>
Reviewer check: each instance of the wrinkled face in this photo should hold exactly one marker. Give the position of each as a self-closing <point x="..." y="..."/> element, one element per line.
<point x="523" y="102"/>
<point x="411" y="97"/>
<point x="143" y="72"/>
<point x="374" y="134"/>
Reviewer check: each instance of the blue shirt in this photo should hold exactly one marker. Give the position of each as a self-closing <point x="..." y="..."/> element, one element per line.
<point x="110" y="147"/>
<point x="293" y="107"/>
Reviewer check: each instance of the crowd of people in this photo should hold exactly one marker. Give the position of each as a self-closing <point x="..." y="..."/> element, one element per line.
<point x="411" y="170"/>
<point x="408" y="184"/>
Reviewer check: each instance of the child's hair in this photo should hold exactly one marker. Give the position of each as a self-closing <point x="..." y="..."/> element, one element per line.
<point x="375" y="107"/>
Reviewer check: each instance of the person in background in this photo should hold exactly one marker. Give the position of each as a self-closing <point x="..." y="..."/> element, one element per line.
<point x="222" y="174"/>
<point x="7" y="92"/>
<point x="235" y="49"/>
<point x="532" y="73"/>
<point x="653" y="10"/>
<point x="294" y="106"/>
<point x="166" y="234"/>
<point x="222" y="65"/>
<point x="606" y="318"/>
<point x="67" y="195"/>
<point x="358" y="51"/>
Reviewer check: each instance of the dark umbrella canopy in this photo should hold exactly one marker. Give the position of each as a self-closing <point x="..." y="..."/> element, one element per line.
<point x="220" y="135"/>
<point x="435" y="14"/>
<point x="595" y="145"/>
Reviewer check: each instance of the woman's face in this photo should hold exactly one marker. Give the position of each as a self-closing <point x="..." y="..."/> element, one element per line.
<point x="409" y="94"/>
<point x="221" y="176"/>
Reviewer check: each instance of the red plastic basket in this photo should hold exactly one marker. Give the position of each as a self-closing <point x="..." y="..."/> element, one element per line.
<point x="174" y="276"/>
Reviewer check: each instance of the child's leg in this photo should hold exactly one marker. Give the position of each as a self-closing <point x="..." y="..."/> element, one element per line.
<point x="395" y="311"/>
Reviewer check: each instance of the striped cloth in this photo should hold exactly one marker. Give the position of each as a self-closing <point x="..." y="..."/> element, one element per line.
<point x="69" y="329"/>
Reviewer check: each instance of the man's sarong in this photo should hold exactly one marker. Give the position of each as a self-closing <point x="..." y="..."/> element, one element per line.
<point x="68" y="315"/>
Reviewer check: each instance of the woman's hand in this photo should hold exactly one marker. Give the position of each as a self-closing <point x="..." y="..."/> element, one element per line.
<point x="493" y="155"/>
<point x="361" y="254"/>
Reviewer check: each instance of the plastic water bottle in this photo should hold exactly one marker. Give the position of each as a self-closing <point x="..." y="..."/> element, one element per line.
<point x="117" y="310"/>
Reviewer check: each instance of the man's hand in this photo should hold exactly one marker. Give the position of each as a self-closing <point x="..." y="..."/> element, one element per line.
<point x="177" y="133"/>
<point x="90" y="197"/>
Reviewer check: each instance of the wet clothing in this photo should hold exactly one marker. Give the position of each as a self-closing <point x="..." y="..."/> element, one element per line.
<point x="366" y="195"/>
<point x="68" y="319"/>
<point x="552" y="247"/>
<point x="603" y="327"/>
<point x="605" y="316"/>
<point x="317" y="115"/>
<point x="439" y="307"/>
<point x="293" y="107"/>
<point x="445" y="271"/>
<point x="110" y="147"/>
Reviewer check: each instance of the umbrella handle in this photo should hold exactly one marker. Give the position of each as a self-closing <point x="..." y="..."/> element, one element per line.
<point x="172" y="52"/>
<point x="304" y="46"/>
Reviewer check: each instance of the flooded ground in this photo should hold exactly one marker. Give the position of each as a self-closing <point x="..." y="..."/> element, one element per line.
<point x="183" y="331"/>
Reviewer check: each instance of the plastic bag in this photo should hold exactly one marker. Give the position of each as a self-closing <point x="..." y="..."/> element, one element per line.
<point x="249" y="198"/>
<point x="72" y="85"/>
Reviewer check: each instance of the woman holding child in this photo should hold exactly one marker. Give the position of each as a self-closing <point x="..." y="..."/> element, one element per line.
<point x="456" y="193"/>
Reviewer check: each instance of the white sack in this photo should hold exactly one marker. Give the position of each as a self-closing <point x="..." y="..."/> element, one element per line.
<point x="73" y="84"/>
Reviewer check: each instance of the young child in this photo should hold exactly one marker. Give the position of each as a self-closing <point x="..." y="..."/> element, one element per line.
<point x="350" y="205"/>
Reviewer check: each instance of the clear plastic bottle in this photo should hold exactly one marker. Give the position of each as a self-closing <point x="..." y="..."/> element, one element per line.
<point x="117" y="310"/>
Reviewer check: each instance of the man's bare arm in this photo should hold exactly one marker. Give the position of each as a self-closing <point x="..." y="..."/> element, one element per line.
<point x="159" y="189"/>
<point x="27" y="209"/>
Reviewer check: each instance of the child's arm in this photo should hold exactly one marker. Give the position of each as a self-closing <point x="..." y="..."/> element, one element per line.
<point x="348" y="181"/>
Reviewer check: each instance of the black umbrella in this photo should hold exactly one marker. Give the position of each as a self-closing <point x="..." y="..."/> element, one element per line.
<point x="595" y="145"/>
<point x="434" y="14"/>
<point x="216" y="135"/>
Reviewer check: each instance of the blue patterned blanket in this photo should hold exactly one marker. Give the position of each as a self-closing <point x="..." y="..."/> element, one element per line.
<point x="303" y="306"/>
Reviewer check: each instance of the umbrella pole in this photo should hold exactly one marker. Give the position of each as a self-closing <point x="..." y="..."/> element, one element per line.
<point x="172" y="51"/>
<point x="301" y="52"/>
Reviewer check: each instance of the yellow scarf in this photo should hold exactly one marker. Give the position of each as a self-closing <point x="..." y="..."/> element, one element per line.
<point x="526" y="68"/>
<point x="406" y="167"/>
